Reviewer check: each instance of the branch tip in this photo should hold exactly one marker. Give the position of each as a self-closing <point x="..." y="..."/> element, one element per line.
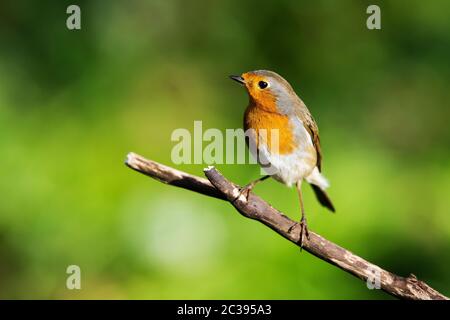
<point x="131" y="156"/>
<point x="209" y="168"/>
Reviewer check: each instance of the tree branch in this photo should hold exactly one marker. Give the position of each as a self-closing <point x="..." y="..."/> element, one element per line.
<point x="255" y="208"/>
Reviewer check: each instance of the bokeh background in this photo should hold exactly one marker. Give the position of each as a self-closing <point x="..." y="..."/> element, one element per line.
<point x="73" y="103"/>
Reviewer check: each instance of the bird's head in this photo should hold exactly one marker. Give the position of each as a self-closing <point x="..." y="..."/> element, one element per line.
<point x="267" y="89"/>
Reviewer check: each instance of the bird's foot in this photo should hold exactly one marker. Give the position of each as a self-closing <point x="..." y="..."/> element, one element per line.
<point x="303" y="231"/>
<point x="245" y="191"/>
<point x="293" y="226"/>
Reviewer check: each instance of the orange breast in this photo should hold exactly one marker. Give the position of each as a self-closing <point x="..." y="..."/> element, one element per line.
<point x="258" y="118"/>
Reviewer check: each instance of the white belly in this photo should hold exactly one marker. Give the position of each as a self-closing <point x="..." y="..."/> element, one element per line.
<point x="287" y="169"/>
<point x="290" y="168"/>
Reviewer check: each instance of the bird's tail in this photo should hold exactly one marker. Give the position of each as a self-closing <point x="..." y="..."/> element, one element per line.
<point x="323" y="198"/>
<point x="319" y="183"/>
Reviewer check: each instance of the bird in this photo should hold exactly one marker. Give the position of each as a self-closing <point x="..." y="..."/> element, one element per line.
<point x="275" y="107"/>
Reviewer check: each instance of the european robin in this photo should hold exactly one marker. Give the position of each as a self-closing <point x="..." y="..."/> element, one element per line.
<point x="273" y="104"/>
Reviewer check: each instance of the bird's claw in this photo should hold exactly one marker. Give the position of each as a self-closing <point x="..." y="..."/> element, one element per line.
<point x="303" y="231"/>
<point x="245" y="191"/>
<point x="292" y="227"/>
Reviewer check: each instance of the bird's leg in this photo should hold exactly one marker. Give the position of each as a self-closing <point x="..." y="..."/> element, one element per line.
<point x="303" y="225"/>
<point x="248" y="187"/>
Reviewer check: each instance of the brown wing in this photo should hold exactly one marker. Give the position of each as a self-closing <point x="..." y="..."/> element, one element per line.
<point x="311" y="126"/>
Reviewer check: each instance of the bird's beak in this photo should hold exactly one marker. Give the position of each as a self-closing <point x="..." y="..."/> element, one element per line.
<point x="238" y="79"/>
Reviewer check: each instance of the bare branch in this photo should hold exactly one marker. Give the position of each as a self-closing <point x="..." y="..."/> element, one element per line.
<point x="255" y="208"/>
<point x="172" y="176"/>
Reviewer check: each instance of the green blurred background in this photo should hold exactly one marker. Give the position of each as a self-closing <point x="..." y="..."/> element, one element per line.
<point x="73" y="103"/>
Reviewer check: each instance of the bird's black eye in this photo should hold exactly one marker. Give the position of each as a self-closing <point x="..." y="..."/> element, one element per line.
<point x="263" y="84"/>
